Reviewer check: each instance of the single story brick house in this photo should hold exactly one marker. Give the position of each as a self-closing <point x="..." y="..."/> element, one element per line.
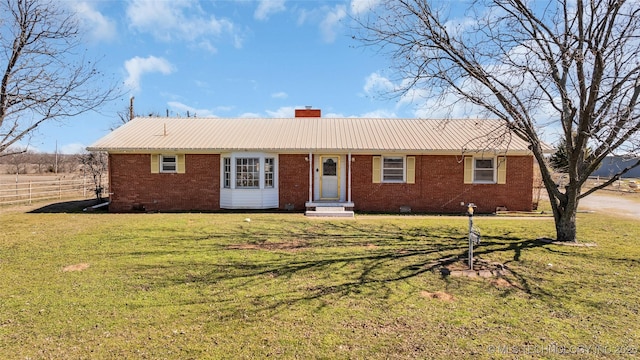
<point x="368" y="165"/>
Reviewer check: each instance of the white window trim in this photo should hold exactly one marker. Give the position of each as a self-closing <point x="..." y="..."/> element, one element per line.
<point x="224" y="173"/>
<point x="259" y="171"/>
<point x="261" y="157"/>
<point x="162" y="163"/>
<point x="264" y="172"/>
<point x="494" y="163"/>
<point x="404" y="169"/>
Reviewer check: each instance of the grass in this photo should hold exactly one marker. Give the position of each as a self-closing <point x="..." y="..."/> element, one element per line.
<point x="215" y="286"/>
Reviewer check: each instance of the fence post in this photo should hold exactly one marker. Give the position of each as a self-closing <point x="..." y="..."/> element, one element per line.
<point x="59" y="188"/>
<point x="84" y="186"/>
<point x="29" y="192"/>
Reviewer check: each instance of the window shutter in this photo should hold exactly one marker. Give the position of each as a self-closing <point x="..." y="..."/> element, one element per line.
<point x="377" y="174"/>
<point x="180" y="166"/>
<point x="468" y="169"/>
<point x="411" y="169"/>
<point x="502" y="169"/>
<point x="155" y="163"/>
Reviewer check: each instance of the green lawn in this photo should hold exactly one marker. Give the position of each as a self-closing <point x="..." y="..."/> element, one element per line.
<point x="183" y="286"/>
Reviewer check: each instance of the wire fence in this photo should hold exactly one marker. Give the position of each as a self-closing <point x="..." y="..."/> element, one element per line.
<point x="26" y="192"/>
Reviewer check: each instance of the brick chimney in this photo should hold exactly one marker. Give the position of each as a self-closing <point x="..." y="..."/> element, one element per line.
<point x="308" y="112"/>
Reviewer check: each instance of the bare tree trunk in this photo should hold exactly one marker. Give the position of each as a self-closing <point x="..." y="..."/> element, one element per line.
<point x="566" y="226"/>
<point x="564" y="214"/>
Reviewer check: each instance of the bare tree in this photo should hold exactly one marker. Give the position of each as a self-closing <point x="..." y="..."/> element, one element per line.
<point x="43" y="76"/>
<point x="124" y="116"/>
<point x="95" y="163"/>
<point x="18" y="161"/>
<point x="566" y="65"/>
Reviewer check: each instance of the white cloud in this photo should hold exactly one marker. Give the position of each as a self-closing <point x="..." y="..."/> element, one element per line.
<point x="97" y="25"/>
<point x="376" y="84"/>
<point x="182" y="110"/>
<point x="331" y="22"/>
<point x="280" y="95"/>
<point x="267" y="8"/>
<point x="179" y="20"/>
<point x="413" y="94"/>
<point x="250" y="115"/>
<point x="358" y="7"/>
<point x="137" y="66"/>
<point x="379" y="114"/>
<point x="303" y="15"/>
<point x="418" y="99"/>
<point x="458" y="26"/>
<point x="283" y="112"/>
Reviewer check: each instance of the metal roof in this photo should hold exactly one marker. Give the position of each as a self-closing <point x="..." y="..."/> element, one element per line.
<point x="357" y="135"/>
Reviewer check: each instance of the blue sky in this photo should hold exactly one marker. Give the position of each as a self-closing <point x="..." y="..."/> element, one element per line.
<point x="234" y="58"/>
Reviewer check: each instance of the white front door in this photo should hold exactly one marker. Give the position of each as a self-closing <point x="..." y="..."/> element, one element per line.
<point x="330" y="177"/>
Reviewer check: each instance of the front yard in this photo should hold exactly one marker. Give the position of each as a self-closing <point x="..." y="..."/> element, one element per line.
<point x="281" y="285"/>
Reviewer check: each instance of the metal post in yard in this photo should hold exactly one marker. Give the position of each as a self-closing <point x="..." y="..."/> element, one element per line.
<point x="470" y="213"/>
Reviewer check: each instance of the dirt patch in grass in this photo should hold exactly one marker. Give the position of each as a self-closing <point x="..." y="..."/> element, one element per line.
<point x="438" y="295"/>
<point x="496" y="273"/>
<point x="76" y="267"/>
<point x="501" y="283"/>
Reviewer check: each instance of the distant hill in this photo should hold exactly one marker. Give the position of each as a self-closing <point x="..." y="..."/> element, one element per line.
<point x="613" y="164"/>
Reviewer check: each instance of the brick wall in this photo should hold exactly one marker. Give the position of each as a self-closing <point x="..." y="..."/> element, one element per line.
<point x="440" y="188"/>
<point x="293" y="181"/>
<point x="135" y="188"/>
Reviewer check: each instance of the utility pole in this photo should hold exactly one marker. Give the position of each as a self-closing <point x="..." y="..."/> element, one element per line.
<point x="131" y="112"/>
<point x="55" y="167"/>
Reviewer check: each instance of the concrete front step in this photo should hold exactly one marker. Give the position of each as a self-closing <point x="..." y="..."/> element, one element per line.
<point x="329" y="211"/>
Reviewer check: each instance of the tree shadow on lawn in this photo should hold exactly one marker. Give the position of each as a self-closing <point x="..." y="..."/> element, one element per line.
<point x="501" y="244"/>
<point x="338" y="260"/>
<point x="66" y="207"/>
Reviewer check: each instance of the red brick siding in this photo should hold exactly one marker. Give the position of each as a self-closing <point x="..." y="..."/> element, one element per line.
<point x="293" y="181"/>
<point x="440" y="188"/>
<point x="134" y="187"/>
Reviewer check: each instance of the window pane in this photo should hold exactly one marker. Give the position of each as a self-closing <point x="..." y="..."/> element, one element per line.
<point x="393" y="169"/>
<point x="484" y="164"/>
<point x="484" y="170"/>
<point x="393" y="163"/>
<point x="329" y="168"/>
<point x="268" y="172"/>
<point x="168" y="163"/>
<point x="227" y="173"/>
<point x="484" y="175"/>
<point x="247" y="172"/>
